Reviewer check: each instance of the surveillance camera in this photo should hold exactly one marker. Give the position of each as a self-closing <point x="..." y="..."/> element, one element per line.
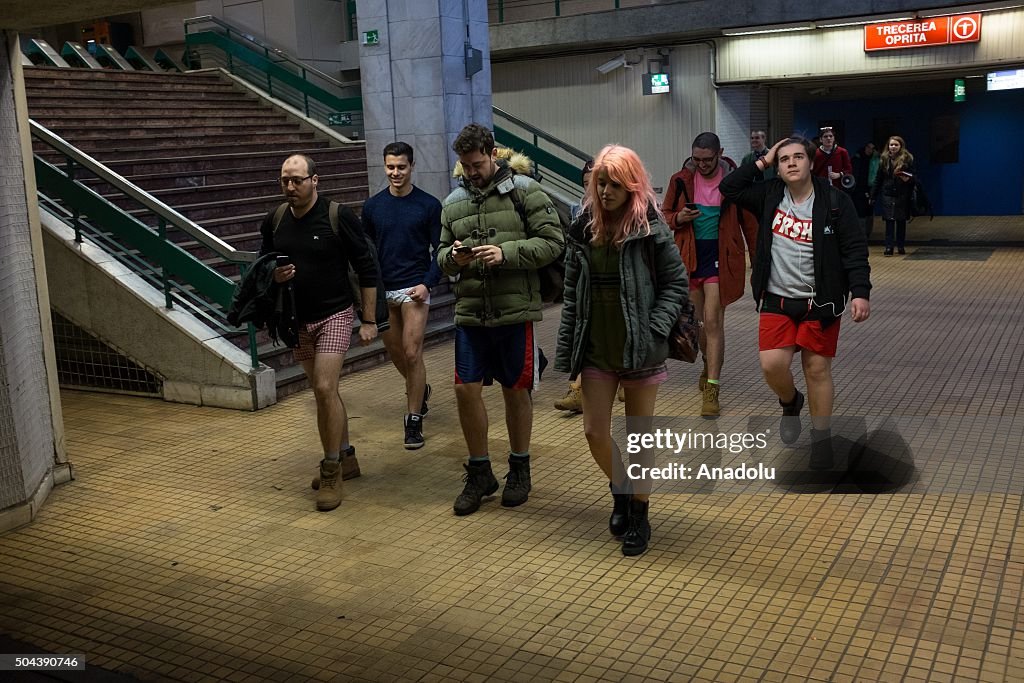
<point x="613" y="64"/>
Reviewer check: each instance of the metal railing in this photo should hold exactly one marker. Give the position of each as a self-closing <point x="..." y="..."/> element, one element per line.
<point x="153" y="252"/>
<point x="559" y="162"/>
<point x="212" y="42"/>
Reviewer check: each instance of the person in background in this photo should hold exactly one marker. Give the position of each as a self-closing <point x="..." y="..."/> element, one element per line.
<point x="895" y="182"/>
<point x="757" y="150"/>
<point x="573" y="400"/>
<point x="862" y="162"/>
<point x="624" y="288"/>
<point x="830" y="160"/>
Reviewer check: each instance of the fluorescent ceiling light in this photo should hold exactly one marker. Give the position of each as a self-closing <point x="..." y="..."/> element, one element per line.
<point x="777" y="28"/>
<point x="861" y="21"/>
<point x="967" y="9"/>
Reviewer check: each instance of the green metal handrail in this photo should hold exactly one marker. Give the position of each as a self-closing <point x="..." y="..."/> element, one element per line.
<point x="318" y="95"/>
<point x="556" y="158"/>
<point x="182" y="277"/>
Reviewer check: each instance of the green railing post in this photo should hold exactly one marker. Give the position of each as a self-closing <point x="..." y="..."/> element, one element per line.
<point x="558" y="8"/>
<point x="161" y="230"/>
<point x="305" y="95"/>
<point x="501" y="11"/>
<point x="75" y="215"/>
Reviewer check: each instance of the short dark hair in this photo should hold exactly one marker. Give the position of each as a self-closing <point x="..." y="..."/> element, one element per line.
<point x="474" y="138"/>
<point x="808" y="146"/>
<point x="707" y="140"/>
<point x="399" y="149"/>
<point x="588" y="167"/>
<point x="310" y="164"/>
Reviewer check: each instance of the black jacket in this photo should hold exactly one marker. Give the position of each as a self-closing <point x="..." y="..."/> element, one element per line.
<point x="840" y="258"/>
<point x="264" y="303"/>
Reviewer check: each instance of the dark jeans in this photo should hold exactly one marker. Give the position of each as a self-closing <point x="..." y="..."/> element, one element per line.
<point x="869" y="224"/>
<point x="900" y="230"/>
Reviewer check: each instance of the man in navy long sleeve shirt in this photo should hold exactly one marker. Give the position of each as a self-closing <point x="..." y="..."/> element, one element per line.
<point x="405" y="223"/>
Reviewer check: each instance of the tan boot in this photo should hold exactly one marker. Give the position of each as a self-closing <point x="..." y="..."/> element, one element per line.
<point x="328" y="496"/>
<point x="572" y="401"/>
<point x="349" y="467"/>
<point x="704" y="377"/>
<point x="710" y="407"/>
<point x="621" y="394"/>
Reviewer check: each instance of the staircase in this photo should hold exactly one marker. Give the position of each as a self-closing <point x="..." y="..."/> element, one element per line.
<point x="211" y="150"/>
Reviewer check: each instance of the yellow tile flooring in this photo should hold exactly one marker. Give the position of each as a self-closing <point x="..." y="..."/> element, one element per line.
<point x="188" y="548"/>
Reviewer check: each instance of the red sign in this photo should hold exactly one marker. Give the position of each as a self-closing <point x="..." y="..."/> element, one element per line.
<point x="896" y="35"/>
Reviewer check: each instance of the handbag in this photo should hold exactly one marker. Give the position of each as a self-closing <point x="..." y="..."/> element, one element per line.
<point x="684" y="337"/>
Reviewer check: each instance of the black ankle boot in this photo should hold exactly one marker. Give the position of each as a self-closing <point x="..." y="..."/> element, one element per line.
<point x="618" y="523"/>
<point x="634" y="542"/>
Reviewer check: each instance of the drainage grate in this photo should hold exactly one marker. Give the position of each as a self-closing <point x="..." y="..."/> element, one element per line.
<point x="85" y="362"/>
<point x="950" y="254"/>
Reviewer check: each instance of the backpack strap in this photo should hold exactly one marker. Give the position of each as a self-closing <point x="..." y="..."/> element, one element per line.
<point x="334" y="212"/>
<point x="680" y="192"/>
<point x="279" y="216"/>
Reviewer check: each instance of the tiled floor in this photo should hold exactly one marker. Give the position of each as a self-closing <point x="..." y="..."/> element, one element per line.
<point x="189" y="548"/>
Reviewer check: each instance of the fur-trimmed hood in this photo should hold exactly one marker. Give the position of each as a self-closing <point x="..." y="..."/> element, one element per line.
<point x="517" y="161"/>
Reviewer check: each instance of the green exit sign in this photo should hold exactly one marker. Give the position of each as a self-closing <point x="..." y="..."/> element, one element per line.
<point x="371" y="37"/>
<point x="340" y="118"/>
<point x="959" y="90"/>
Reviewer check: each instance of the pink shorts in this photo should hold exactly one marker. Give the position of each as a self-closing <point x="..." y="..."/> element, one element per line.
<point x="699" y="282"/>
<point x="630" y="378"/>
<point x="333" y="334"/>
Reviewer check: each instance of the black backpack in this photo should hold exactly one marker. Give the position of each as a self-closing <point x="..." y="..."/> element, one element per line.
<point x="919" y="204"/>
<point x="334" y="211"/>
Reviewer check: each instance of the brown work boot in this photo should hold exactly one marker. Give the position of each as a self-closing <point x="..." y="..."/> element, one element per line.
<point x="621" y="394"/>
<point x="710" y="408"/>
<point x="704" y="377"/>
<point x="328" y="496"/>
<point x="572" y="401"/>
<point x="349" y="467"/>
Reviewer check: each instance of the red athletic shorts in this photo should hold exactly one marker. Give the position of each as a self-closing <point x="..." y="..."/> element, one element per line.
<point x="777" y="331"/>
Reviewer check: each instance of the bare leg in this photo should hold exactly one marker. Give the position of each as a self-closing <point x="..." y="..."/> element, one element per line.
<point x="323" y="372"/>
<point x="392" y="338"/>
<point x="714" y="329"/>
<point x="775" y="364"/>
<point x="472" y="417"/>
<point x="414" y="323"/>
<point x="820" y="388"/>
<point x="697" y="298"/>
<point x="640" y="403"/>
<point x="598" y="395"/>
<point x="518" y="418"/>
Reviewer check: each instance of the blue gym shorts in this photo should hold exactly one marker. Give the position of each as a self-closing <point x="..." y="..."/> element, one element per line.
<point x="507" y="354"/>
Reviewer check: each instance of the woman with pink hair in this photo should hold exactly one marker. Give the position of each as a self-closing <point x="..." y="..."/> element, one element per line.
<point x="624" y="288"/>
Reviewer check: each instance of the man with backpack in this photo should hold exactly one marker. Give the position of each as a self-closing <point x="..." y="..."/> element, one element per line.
<point x="811" y="256"/>
<point x="316" y="240"/>
<point x="497" y="229"/>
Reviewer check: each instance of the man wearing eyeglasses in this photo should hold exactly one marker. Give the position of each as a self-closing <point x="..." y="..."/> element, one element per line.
<point x="712" y="236"/>
<point x="315" y="261"/>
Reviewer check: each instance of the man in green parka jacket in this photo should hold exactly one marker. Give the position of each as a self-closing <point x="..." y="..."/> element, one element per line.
<point x="497" y="229"/>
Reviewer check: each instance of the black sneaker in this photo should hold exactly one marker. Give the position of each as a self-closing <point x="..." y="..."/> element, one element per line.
<point x="517" y="483"/>
<point x="789" y="426"/>
<point x="426" y="395"/>
<point x="480" y="482"/>
<point x="822" y="455"/>
<point x="413" y="432"/>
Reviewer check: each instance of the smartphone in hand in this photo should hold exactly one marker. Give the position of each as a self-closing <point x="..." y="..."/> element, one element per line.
<point x="282" y="260"/>
<point x="463" y="250"/>
<point x="691" y="206"/>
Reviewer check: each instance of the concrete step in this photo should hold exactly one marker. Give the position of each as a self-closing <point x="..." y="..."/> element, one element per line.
<point x="112" y="96"/>
<point x="155" y="121"/>
<point x="233" y="185"/>
<point x="194" y="161"/>
<point x="173" y="130"/>
<point x="47" y="105"/>
<point x="153" y="182"/>
<point x="104" y="150"/>
<point x="204" y="210"/>
<point x="38" y="74"/>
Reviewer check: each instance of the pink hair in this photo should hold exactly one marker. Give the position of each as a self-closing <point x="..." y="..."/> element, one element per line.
<point x="624" y="167"/>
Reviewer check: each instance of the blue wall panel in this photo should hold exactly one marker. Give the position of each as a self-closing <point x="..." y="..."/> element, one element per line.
<point x="988" y="180"/>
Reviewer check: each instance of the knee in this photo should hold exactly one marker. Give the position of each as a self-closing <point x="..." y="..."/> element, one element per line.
<point x="413" y="354"/>
<point x="595" y="433"/>
<point x="325" y="390"/>
<point x="817" y="372"/>
<point x="466" y="393"/>
<point x="712" y="325"/>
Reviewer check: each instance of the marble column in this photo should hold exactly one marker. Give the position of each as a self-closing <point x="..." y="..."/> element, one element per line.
<point x="414" y="82"/>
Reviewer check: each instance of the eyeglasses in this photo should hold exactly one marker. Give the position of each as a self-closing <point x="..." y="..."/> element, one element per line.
<point x="292" y="180"/>
<point x="707" y="161"/>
